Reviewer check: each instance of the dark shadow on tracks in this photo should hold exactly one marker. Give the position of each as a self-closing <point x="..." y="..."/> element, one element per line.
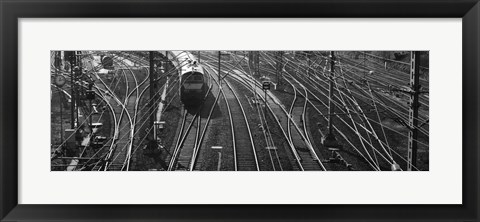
<point x="192" y="107"/>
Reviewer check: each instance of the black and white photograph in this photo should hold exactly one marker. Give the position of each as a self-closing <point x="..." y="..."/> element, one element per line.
<point x="239" y="110"/>
<point x="247" y="94"/>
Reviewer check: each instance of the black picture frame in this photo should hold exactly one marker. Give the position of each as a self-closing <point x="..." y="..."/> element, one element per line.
<point x="11" y="11"/>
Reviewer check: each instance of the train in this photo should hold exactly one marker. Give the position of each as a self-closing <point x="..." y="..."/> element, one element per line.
<point x="107" y="62"/>
<point x="193" y="79"/>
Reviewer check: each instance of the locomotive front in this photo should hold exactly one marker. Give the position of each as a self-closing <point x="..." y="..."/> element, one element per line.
<point x="193" y="84"/>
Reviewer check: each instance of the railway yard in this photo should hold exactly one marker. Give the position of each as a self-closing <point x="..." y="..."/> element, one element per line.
<point x="239" y="111"/>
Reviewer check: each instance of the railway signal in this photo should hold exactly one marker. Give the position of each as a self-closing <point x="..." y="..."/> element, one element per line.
<point x="158" y="125"/>
<point x="266" y="86"/>
<point x="60" y="80"/>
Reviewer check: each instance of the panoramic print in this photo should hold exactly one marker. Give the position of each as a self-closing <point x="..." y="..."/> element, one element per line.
<point x="239" y="110"/>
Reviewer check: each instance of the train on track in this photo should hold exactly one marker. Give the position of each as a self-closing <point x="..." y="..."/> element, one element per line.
<point x="107" y="62"/>
<point x="194" y="81"/>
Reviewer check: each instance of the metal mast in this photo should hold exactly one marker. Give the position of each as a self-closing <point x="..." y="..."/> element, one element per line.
<point x="329" y="140"/>
<point x="331" y="106"/>
<point x="413" y="111"/>
<point x="72" y="88"/>
<point x="152" y="91"/>
<point x="279" y="66"/>
<point x="219" y="76"/>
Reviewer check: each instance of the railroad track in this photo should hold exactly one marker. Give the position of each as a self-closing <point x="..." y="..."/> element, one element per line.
<point x="321" y="114"/>
<point x="298" y="137"/>
<point x="297" y="115"/>
<point x="357" y="99"/>
<point x="99" y="152"/>
<point x="367" y="141"/>
<point x="248" y="158"/>
<point x="122" y="109"/>
<point x="191" y="133"/>
<point x="121" y="140"/>
<point x="396" y="106"/>
<point x="125" y="142"/>
<point x="382" y="79"/>
<point x="177" y="153"/>
<point x="362" y="91"/>
<point x="273" y="107"/>
<point x="324" y="94"/>
<point x="190" y="137"/>
<point x="187" y="141"/>
<point x="244" y="149"/>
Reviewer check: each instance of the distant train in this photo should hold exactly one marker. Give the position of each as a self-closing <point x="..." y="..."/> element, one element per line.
<point x="194" y="81"/>
<point x="107" y="62"/>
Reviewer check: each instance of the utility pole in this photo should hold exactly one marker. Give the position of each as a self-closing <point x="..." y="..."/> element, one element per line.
<point x="250" y="59"/>
<point x="166" y="66"/>
<point x="72" y="93"/>
<point x="253" y="62"/>
<point x="265" y="105"/>
<point x="90" y="97"/>
<point x="59" y="82"/>
<point x="308" y="65"/>
<point x="61" y="116"/>
<point x="331" y="106"/>
<point x="251" y="67"/>
<point x="279" y="66"/>
<point x="57" y="59"/>
<point x="413" y="111"/>
<point x="152" y="91"/>
<point x="219" y="78"/>
<point x="329" y="140"/>
<point x="78" y="88"/>
<point x="198" y="57"/>
<point x="257" y="63"/>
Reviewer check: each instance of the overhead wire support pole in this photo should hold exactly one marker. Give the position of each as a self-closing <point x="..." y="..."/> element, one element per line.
<point x="279" y="66"/>
<point x="265" y="111"/>
<point x="413" y="110"/>
<point x="257" y="62"/>
<point x="219" y="76"/>
<point x="78" y="89"/>
<point x="309" y="63"/>
<point x="61" y="116"/>
<point x="72" y="89"/>
<point x="152" y="92"/>
<point x="329" y="140"/>
<point x="250" y="67"/>
<point x="331" y="108"/>
<point x="90" y="91"/>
